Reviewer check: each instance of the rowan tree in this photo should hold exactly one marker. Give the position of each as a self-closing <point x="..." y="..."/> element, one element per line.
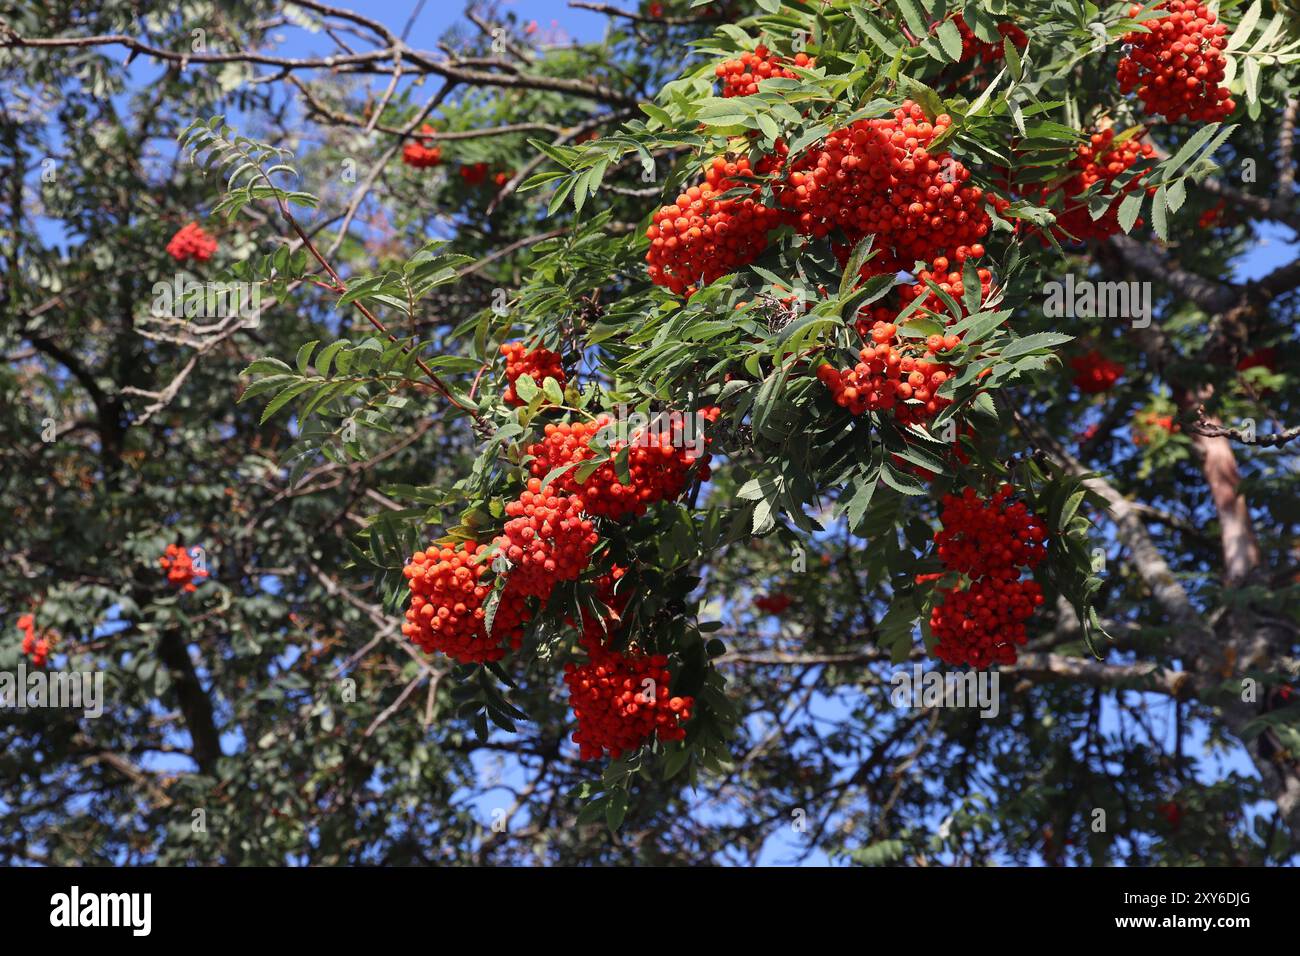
<point x="617" y="421"/>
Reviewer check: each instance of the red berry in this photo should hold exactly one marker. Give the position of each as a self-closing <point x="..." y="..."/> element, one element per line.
<point x="1177" y="67"/>
<point x="449" y="591"/>
<point x="1094" y="373"/>
<point x="191" y="242"/>
<point x="180" y="568"/>
<point x="987" y="541"/>
<point x="741" y="77"/>
<point x="422" y="153"/>
<point x="539" y="364"/>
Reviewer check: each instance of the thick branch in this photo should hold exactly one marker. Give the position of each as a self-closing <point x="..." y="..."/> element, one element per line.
<point x="196" y="706"/>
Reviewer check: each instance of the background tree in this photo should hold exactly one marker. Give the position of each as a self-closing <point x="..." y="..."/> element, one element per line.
<point x="278" y="712"/>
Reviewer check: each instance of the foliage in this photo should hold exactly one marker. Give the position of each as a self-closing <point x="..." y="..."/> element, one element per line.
<point x="360" y="417"/>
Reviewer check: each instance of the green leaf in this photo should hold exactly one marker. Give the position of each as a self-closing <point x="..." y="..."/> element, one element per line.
<point x="861" y="500"/>
<point x="1159" y="213"/>
<point x="950" y="40"/>
<point x="1173" y="166"/>
<point x="1244" y="28"/>
<point x="304" y="355"/>
<point x="616" y="809"/>
<point x="915" y="21"/>
<point x="265" y="366"/>
<point x="1130" y="209"/>
<point x="1032" y="343"/>
<point x="1012" y="55"/>
<point x="283" y="399"/>
<point x="1177" y="194"/>
<point x="526" y="388"/>
<point x="857" y="259"/>
<point x="1250" y="71"/>
<point x="901" y="481"/>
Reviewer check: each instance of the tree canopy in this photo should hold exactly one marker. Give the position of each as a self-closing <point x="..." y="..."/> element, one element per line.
<point x="486" y="444"/>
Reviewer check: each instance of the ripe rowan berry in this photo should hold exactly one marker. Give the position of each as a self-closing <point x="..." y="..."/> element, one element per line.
<point x="191" y="242"/>
<point x="539" y="364"/>
<point x="547" y="540"/>
<point x="1265" y="358"/>
<point x="1172" y="813"/>
<point x="893" y="375"/>
<point x="773" y="603"/>
<point x="659" y="464"/>
<point x="981" y="537"/>
<point x="1212" y="216"/>
<point x="702" y="237"/>
<point x="37" y="648"/>
<point x="422" y="153"/>
<point x="1177" y="65"/>
<point x="877" y="177"/>
<point x="621" y="699"/>
<point x="473" y="174"/>
<point x="1100" y="160"/>
<point x="982" y="622"/>
<point x="949" y="283"/>
<point x="1094" y="373"/>
<point x="740" y="77"/>
<point x="180" y="568"/>
<point x="450" y="588"/>
<point x="1147" y="426"/>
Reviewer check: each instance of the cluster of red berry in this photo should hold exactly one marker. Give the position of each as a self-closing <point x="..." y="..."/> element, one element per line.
<point x="1100" y="160"/>
<point x="547" y="540"/>
<point x="894" y="374"/>
<point x="37" y="648"/>
<point x="877" y="177"/>
<point x="988" y="541"/>
<point x="476" y="174"/>
<point x="1094" y="373"/>
<point x="422" y="153"/>
<point x="658" y="463"/>
<point x="973" y="48"/>
<point x="180" y="568"/>
<point x="874" y="177"/>
<point x="191" y="242"/>
<point x="982" y="537"/>
<point x="539" y="364"/>
<point x="1178" y="65"/>
<point x="741" y="77"/>
<point x="450" y="587"/>
<point x="473" y="174"/>
<point x="773" y="603"/>
<point x="1265" y="358"/>
<point x="1149" y="424"/>
<point x="1172" y="813"/>
<point x="703" y="236"/>
<point x="548" y="536"/>
<point x="1212" y="216"/>
<point x="621" y="699"/>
